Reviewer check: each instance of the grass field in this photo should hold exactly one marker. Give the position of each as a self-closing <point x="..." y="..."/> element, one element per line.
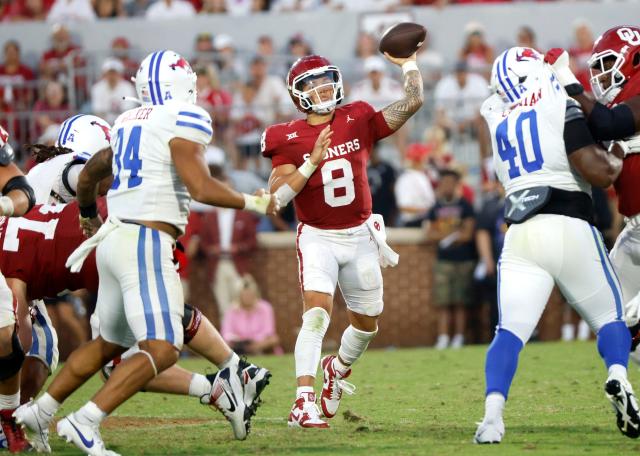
<point x="408" y="402"/>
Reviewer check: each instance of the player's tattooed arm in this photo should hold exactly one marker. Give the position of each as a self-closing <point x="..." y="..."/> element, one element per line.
<point x="95" y="170"/>
<point x="397" y="113"/>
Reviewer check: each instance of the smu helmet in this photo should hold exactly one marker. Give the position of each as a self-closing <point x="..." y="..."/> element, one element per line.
<point x="165" y="76"/>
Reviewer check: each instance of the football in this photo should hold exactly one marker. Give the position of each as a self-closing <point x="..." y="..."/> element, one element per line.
<point x="402" y="40"/>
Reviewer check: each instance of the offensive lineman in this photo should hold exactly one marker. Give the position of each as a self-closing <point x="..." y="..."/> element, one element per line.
<point x="335" y="244"/>
<point x="158" y="165"/>
<point x="615" y="116"/>
<point x="16" y="200"/>
<point x="546" y="158"/>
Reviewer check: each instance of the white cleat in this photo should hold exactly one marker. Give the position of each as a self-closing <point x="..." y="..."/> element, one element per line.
<point x="489" y="431"/>
<point x="227" y="392"/>
<point x="36" y="422"/>
<point x="305" y="413"/>
<point x="333" y="387"/>
<point x="620" y="393"/>
<point x="83" y="436"/>
<point x="255" y="380"/>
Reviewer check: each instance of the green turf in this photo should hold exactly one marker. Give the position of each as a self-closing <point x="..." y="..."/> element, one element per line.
<point x="408" y="402"/>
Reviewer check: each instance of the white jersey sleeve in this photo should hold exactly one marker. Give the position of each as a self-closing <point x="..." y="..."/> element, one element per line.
<point x="528" y="137"/>
<point x="194" y="124"/>
<point x="52" y="180"/>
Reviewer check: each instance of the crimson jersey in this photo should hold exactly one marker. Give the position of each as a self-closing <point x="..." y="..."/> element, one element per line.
<point x="35" y="248"/>
<point x="627" y="183"/>
<point x="337" y="195"/>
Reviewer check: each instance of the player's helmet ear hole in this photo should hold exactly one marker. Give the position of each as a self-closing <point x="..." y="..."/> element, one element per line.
<point x="522" y="79"/>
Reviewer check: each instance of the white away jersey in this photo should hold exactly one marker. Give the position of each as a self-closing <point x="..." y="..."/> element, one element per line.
<point x="527" y="137"/>
<point x="146" y="185"/>
<point x="54" y="180"/>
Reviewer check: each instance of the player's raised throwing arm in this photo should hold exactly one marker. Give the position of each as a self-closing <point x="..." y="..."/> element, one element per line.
<point x="397" y="113"/>
<point x="287" y="181"/>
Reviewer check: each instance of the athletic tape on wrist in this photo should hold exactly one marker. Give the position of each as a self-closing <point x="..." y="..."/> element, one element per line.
<point x="411" y="65"/>
<point x="6" y="206"/>
<point x="257" y="204"/>
<point x="307" y="168"/>
<point x="285" y="194"/>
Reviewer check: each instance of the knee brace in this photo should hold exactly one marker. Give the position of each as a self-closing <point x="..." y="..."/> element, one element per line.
<point x="11" y="364"/>
<point x="191" y="322"/>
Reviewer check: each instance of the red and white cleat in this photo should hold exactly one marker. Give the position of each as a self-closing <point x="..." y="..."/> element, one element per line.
<point x="334" y="385"/>
<point x="305" y="413"/>
<point x="16" y="440"/>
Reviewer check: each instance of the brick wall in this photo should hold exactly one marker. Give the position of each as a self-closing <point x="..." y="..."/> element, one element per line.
<point x="408" y="319"/>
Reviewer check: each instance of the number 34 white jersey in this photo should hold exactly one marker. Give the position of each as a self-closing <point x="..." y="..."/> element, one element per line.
<point x="146" y="184"/>
<point x="527" y="137"/>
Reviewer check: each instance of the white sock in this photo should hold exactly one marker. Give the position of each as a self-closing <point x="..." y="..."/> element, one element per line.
<point x="618" y="370"/>
<point x="48" y="405"/>
<point x="306" y="392"/>
<point x="231" y="362"/>
<point x="339" y="366"/>
<point x="9" y="401"/>
<point x="90" y="414"/>
<point x="493" y="406"/>
<point x="199" y="386"/>
<point x="308" y="349"/>
<point x="353" y="344"/>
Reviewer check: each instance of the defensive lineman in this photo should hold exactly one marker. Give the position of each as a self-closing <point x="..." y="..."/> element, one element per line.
<point x="157" y="165"/>
<point x="540" y="139"/>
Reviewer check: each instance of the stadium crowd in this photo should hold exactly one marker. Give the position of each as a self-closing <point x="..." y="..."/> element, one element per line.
<point x="443" y="156"/>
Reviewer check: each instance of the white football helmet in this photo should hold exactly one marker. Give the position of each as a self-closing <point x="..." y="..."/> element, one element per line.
<point x="84" y="135"/>
<point x="510" y="71"/>
<point x="165" y="76"/>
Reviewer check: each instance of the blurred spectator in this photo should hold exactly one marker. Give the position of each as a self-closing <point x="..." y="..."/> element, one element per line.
<point x="230" y="68"/>
<point x="297" y="47"/>
<point x="366" y="5"/>
<point x="382" y="180"/>
<point x="50" y="135"/>
<point x="377" y="89"/>
<point x="272" y="96"/>
<point x="204" y="52"/>
<point x="526" y="38"/>
<point x="247" y="119"/>
<point x="213" y="7"/>
<point x="366" y="46"/>
<point x="490" y="233"/>
<point x="413" y="190"/>
<point x="458" y="98"/>
<point x="15" y="79"/>
<point x="26" y="10"/>
<point x="71" y="11"/>
<point x="106" y="9"/>
<point x="62" y="57"/>
<point x="170" y="9"/>
<point x="451" y="224"/>
<point x="288" y="6"/>
<point x="244" y="7"/>
<point x="430" y="63"/>
<point x="213" y="98"/>
<point x="108" y="93"/>
<point x="581" y="51"/>
<point x="120" y="49"/>
<point x="475" y="51"/>
<point x="249" y="327"/>
<point x="266" y="50"/>
<point x="228" y="238"/>
<point x="440" y="157"/>
<point x="137" y="8"/>
<point x="51" y="109"/>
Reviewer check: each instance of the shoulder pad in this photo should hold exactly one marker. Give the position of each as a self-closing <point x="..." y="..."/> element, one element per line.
<point x="6" y="155"/>
<point x="574" y="111"/>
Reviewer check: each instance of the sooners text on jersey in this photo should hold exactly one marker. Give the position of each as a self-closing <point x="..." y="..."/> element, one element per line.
<point x="337" y="195"/>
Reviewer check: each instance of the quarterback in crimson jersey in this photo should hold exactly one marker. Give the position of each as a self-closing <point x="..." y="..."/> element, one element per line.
<point x="320" y="163"/>
<point x="615" y="116"/>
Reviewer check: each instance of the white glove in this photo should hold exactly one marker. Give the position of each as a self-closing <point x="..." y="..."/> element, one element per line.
<point x="559" y="61"/>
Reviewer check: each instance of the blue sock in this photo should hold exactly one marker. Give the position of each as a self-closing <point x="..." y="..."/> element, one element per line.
<point x="614" y="343"/>
<point x="502" y="362"/>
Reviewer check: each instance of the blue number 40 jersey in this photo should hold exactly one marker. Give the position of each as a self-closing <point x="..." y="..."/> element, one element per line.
<point x="146" y="185"/>
<point x="527" y="137"/>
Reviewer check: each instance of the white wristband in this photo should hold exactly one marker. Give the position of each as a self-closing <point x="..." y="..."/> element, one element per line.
<point x="410" y="65"/>
<point x="6" y="206"/>
<point x="307" y="168"/>
<point x="257" y="204"/>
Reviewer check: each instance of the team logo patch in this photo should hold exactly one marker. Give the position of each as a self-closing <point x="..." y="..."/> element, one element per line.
<point x="527" y="54"/>
<point x="290" y="136"/>
<point x="181" y="63"/>
<point x="105" y="130"/>
<point x="349" y="118"/>
<point x="376" y="225"/>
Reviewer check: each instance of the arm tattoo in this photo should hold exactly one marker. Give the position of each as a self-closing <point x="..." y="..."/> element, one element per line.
<point x="97" y="168"/>
<point x="396" y="114"/>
